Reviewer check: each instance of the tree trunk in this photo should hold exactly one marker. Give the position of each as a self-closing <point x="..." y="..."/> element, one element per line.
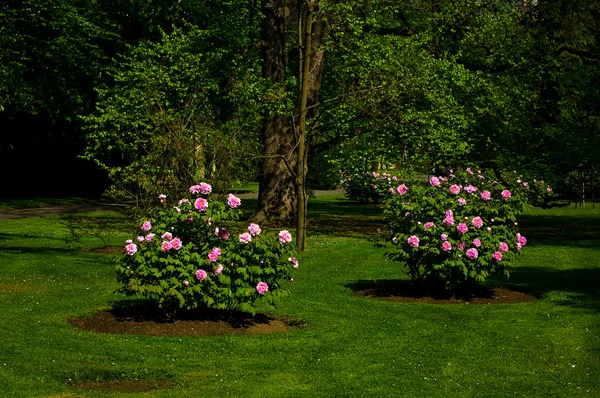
<point x="276" y="195"/>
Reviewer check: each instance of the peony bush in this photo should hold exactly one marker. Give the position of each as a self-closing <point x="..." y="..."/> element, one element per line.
<point x="186" y="257"/>
<point x="460" y="228"/>
<point x="368" y="186"/>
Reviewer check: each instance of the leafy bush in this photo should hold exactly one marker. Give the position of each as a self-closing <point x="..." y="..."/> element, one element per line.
<point x="188" y="258"/>
<point x="457" y="229"/>
<point x="368" y="186"/>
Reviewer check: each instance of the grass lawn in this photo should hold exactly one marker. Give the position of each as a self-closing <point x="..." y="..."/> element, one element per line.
<point x="351" y="346"/>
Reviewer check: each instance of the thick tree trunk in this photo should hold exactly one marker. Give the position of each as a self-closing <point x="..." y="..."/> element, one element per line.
<point x="276" y="196"/>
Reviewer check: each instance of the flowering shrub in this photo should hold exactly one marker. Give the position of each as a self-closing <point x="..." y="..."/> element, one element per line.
<point x="368" y="186"/>
<point x="457" y="229"/>
<point x="184" y="257"/>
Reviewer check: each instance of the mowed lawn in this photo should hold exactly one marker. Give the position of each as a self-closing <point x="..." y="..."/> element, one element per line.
<point x="350" y="346"/>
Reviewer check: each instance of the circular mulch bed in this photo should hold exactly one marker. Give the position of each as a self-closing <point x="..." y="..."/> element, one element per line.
<point x="146" y="321"/>
<point x="402" y="291"/>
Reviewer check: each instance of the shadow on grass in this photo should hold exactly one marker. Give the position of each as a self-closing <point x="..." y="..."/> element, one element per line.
<point x="562" y="230"/>
<point x="343" y="218"/>
<point x="580" y="285"/>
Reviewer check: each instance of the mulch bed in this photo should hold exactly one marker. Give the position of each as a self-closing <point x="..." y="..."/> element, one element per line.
<point x="145" y="321"/>
<point x="402" y="291"/>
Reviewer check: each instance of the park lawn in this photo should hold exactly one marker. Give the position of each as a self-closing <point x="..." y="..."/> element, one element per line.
<point x="351" y="346"/>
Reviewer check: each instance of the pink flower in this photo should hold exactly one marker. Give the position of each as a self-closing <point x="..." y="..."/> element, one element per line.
<point x="503" y="247"/>
<point x="470" y="189"/>
<point x="549" y="189"/>
<point x="245" y="237"/>
<point x="505" y="194"/>
<point x="449" y="221"/>
<point x="449" y="214"/>
<point x="525" y="184"/>
<point x="216" y="250"/>
<point x="477" y="222"/>
<point x="262" y="288"/>
<point x="446" y="246"/>
<point x="254" y="229"/>
<point x="182" y="201"/>
<point x="461" y="246"/>
<point x="140" y="238"/>
<point x="444" y="236"/>
<point x="149" y="237"/>
<point x="402" y="189"/>
<point x="392" y="191"/>
<point x="476" y="242"/>
<point x="176" y="243"/>
<point x="195" y="189"/>
<point x="434" y="181"/>
<point x="462" y="201"/>
<point x="146" y="226"/>
<point x="224" y="234"/>
<point x="162" y="196"/>
<point x="521" y="239"/>
<point x="285" y="237"/>
<point x="167" y="236"/>
<point x="462" y="228"/>
<point x="177" y="209"/>
<point x="407" y="214"/>
<point x="213" y="256"/>
<point x="294" y="261"/>
<point x="186" y="283"/>
<point x="131" y="249"/>
<point x="205" y="188"/>
<point x="219" y="270"/>
<point x="497" y="256"/>
<point x="374" y="186"/>
<point x="128" y="241"/>
<point x="413" y="241"/>
<point x="472" y="253"/>
<point x="469" y="170"/>
<point x="486" y="195"/>
<point x="454" y="189"/>
<point x="428" y="225"/>
<point x="233" y="201"/>
<point x="200" y="274"/>
<point x="166" y="246"/>
<point x="201" y="204"/>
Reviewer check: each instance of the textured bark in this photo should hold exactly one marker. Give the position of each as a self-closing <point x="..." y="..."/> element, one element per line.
<point x="276" y="195"/>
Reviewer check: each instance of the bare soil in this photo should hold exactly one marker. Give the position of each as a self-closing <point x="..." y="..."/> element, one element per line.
<point x="403" y="291"/>
<point x="147" y="321"/>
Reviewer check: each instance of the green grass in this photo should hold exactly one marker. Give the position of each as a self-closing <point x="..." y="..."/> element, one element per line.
<point x="27" y="203"/>
<point x="351" y="347"/>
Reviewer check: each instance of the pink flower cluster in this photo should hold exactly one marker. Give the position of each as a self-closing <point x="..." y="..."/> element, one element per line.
<point x="214" y="254"/>
<point x="245" y="237"/>
<point x="233" y="201"/>
<point x="201" y="204"/>
<point x="200" y="274"/>
<point x="254" y="229"/>
<point x="170" y="243"/>
<point x="131" y="248"/>
<point x="413" y="241"/>
<point x="285" y="237"/>
<point x="262" y="288"/>
<point x="294" y="261"/>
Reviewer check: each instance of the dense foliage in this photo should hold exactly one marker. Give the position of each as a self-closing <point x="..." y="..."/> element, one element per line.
<point x="458" y="229"/>
<point x="187" y="256"/>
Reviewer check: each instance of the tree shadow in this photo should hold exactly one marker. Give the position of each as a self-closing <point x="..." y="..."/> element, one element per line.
<point x="580" y="285"/>
<point x="562" y="230"/>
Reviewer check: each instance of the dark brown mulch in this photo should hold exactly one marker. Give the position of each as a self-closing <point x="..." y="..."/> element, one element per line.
<point x="402" y="291"/>
<point x="127" y="386"/>
<point x="142" y="320"/>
